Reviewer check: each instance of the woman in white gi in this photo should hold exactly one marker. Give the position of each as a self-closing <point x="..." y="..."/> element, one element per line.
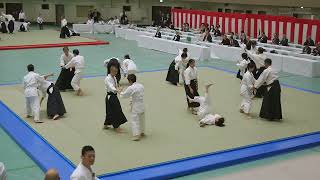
<point x="178" y="66"/>
<point x="55" y="106"/>
<point x="136" y="92"/>
<point x="271" y="103"/>
<point x="84" y="170"/>
<point x="128" y="66"/>
<point x="31" y="83"/>
<point x="206" y="117"/>
<point x="114" y="114"/>
<point x="246" y="90"/>
<point x="116" y="62"/>
<point x="65" y="77"/>
<point x="64" y="29"/>
<point x="78" y="63"/>
<point x="10" y="20"/>
<point x="258" y="59"/>
<point x="242" y="65"/>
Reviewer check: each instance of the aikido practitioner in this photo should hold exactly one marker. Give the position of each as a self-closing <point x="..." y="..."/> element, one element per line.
<point x="136" y="92"/>
<point x="116" y="62"/>
<point x="31" y="83"/>
<point x="191" y="84"/>
<point x="55" y="106"/>
<point x="64" y="80"/>
<point x="178" y="66"/>
<point x="271" y="103"/>
<point x="78" y="63"/>
<point x="10" y="20"/>
<point x="158" y="33"/>
<point x="40" y="22"/>
<point x="258" y="59"/>
<point x="204" y="112"/>
<point x="3" y="25"/>
<point x="24" y="27"/>
<point x="114" y="114"/>
<point x="128" y="66"/>
<point x="247" y="89"/>
<point x="242" y="64"/>
<point x="64" y="29"/>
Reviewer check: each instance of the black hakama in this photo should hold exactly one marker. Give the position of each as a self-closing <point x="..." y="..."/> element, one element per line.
<point x="22" y="28"/>
<point x="271" y="103"/>
<point x="173" y="74"/>
<point x="114" y="114"/>
<point x="4" y="27"/>
<point x="64" y="32"/>
<point x="64" y="80"/>
<point x="262" y="90"/>
<point x="118" y="76"/>
<point x="55" y="104"/>
<point x="194" y="86"/>
<point x="11" y="26"/>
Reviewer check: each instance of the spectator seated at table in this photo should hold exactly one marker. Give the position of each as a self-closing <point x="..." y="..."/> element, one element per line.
<point x="263" y="38"/>
<point x="234" y="42"/>
<point x="185" y="27"/>
<point x="177" y="36"/>
<point x="316" y="51"/>
<point x="225" y="40"/>
<point x="309" y="41"/>
<point x="207" y="36"/>
<point x="306" y="49"/>
<point x="111" y="21"/>
<point x="217" y="31"/>
<point x="284" y="41"/>
<point x="276" y="39"/>
<point x="171" y="26"/>
<point x="90" y="21"/>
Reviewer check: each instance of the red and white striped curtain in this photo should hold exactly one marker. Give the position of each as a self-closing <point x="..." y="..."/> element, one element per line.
<point x="297" y="30"/>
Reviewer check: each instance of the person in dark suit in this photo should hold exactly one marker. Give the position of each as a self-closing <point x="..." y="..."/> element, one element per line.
<point x="263" y="38"/>
<point x="284" y="41"/>
<point x="276" y="39"/>
<point x="207" y="36"/>
<point x="176" y="37"/>
<point x="217" y="31"/>
<point x="234" y="42"/>
<point x="306" y="49"/>
<point x="316" y="51"/>
<point x="225" y="40"/>
<point x="309" y="41"/>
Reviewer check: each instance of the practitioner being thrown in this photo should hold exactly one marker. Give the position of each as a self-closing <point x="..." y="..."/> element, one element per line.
<point x="206" y="117"/>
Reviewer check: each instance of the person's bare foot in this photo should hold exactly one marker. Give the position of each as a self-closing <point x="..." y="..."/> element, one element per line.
<point x="241" y="111"/>
<point x="28" y="116"/>
<point x="79" y="93"/>
<point x="136" y="138"/>
<point x="202" y="124"/>
<point x="55" y="117"/>
<point x="143" y="135"/>
<point x="38" y="121"/>
<point x="105" y="127"/>
<point x="118" y="130"/>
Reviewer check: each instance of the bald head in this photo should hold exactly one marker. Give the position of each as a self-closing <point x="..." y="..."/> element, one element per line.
<point x="52" y="174"/>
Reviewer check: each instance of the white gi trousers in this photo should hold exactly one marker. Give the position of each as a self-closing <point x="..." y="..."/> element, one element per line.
<point x="137" y="118"/>
<point x="75" y="83"/>
<point x="246" y="102"/>
<point x="33" y="107"/>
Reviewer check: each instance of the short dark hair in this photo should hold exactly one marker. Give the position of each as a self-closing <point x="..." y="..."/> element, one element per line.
<point x="251" y="65"/>
<point x="86" y="149"/>
<point x="220" y="122"/>
<point x="185" y="50"/>
<point x="30" y="67"/>
<point x="244" y="55"/>
<point x="132" y="78"/>
<point x="127" y="56"/>
<point x="191" y="61"/>
<point x="184" y="55"/>
<point x="75" y="51"/>
<point x="260" y="50"/>
<point x="268" y="61"/>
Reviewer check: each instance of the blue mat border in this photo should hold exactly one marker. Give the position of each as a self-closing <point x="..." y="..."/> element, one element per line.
<point x="46" y="156"/>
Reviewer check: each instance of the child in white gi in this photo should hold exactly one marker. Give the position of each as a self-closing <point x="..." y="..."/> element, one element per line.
<point x="242" y="64"/>
<point x="78" y="63"/>
<point x="136" y="91"/>
<point x="246" y="90"/>
<point x="128" y="66"/>
<point x="204" y="112"/>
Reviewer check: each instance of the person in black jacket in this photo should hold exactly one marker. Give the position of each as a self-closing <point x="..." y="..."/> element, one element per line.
<point x="276" y="39"/>
<point x="207" y="36"/>
<point x="217" y="31"/>
<point x="234" y="42"/>
<point x="284" y="41"/>
<point x="176" y="37"/>
<point x="263" y="38"/>
<point x="309" y="41"/>
<point x="316" y="51"/>
<point x="225" y="40"/>
<point x="306" y="49"/>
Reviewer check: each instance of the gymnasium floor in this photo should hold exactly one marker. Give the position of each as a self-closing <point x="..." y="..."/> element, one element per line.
<point x="175" y="125"/>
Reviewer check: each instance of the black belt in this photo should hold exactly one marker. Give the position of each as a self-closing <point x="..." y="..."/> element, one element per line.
<point x="271" y="84"/>
<point x="111" y="93"/>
